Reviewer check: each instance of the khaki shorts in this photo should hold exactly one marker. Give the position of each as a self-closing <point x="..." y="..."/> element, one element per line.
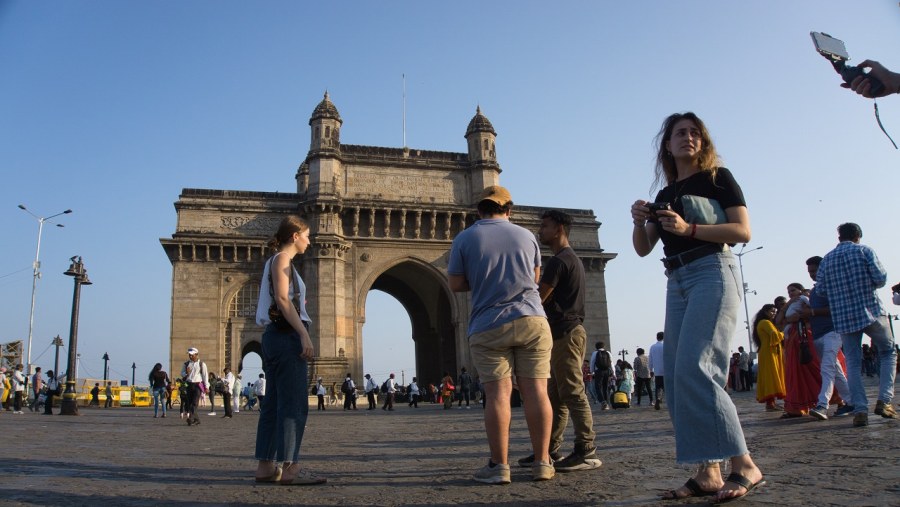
<point x="520" y="347"/>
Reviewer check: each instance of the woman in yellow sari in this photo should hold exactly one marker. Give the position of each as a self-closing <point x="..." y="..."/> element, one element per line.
<point x="770" y="360"/>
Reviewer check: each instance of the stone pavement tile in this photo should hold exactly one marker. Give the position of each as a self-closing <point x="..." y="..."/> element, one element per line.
<point x="427" y="456"/>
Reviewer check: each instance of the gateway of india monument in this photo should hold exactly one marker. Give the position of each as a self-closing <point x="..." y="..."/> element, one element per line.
<point x="380" y="219"/>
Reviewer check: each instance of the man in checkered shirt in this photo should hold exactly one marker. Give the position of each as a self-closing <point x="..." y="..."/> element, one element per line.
<point x="848" y="276"/>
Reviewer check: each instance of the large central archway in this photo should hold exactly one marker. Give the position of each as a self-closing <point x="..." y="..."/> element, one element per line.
<point x="424" y="294"/>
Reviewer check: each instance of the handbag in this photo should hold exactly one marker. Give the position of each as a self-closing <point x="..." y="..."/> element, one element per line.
<point x="275" y="315"/>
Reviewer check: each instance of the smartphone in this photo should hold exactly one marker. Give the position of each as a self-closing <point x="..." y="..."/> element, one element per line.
<point x="829" y="47"/>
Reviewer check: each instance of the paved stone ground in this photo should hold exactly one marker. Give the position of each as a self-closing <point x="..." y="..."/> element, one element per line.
<point x="123" y="456"/>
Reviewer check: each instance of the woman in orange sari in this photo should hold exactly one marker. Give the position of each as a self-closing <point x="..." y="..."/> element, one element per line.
<point x="770" y="358"/>
<point x="802" y="374"/>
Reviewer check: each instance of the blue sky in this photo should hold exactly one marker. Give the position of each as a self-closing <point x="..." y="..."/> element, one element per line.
<point x="111" y="108"/>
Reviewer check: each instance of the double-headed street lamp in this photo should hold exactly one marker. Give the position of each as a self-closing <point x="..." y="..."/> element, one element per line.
<point x="740" y="255"/>
<point x="37" y="273"/>
<point x="70" y="401"/>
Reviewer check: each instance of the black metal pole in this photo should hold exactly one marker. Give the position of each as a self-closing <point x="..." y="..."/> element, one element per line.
<point x="105" y="368"/>
<point x="58" y="342"/>
<point x="133" y="366"/>
<point x="69" y="404"/>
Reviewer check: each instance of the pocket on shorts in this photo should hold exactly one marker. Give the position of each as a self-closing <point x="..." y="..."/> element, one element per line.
<point x="738" y="283"/>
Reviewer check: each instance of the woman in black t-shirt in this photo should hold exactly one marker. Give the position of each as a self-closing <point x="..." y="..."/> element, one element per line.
<point x="698" y="213"/>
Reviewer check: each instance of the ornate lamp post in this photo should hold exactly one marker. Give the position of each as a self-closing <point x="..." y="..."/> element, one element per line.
<point x="133" y="367"/>
<point x="740" y="255"/>
<point x="105" y="367"/>
<point x="36" y="274"/>
<point x="57" y="342"/>
<point x="70" y="401"/>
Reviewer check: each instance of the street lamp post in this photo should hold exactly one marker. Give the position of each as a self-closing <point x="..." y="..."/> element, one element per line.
<point x="624" y="353"/>
<point x="36" y="273"/>
<point x="57" y="342"/>
<point x="740" y="255"/>
<point x="70" y="401"/>
<point x="105" y="367"/>
<point x="133" y="367"/>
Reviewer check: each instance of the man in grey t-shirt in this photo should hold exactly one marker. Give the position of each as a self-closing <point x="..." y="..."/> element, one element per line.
<point x="500" y="264"/>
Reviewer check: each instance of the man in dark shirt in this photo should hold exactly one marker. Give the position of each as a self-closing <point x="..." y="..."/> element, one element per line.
<point x="562" y="294"/>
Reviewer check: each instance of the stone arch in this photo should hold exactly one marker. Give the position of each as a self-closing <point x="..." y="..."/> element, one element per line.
<point x="240" y="329"/>
<point x="249" y="347"/>
<point x="423" y="292"/>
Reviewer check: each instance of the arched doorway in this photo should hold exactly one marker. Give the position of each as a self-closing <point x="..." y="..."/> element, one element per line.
<point x="423" y="292"/>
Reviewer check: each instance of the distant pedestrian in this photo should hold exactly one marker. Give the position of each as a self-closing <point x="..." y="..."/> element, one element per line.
<point x="236" y="393"/>
<point x="95" y="396"/>
<point x="320" y="394"/>
<point x="744" y="366"/>
<point x="447" y="390"/>
<point x="4" y="387"/>
<point x="389" y="395"/>
<point x="109" y="395"/>
<point x="849" y="276"/>
<point x="53" y="390"/>
<point x="349" y="390"/>
<point x="642" y="375"/>
<point x="229" y="382"/>
<point x="259" y="389"/>
<point x="413" y="393"/>
<point x="658" y="369"/>
<point x="37" y="386"/>
<point x="602" y="370"/>
<point x="769" y="358"/>
<point x="464" y="387"/>
<point x="370" y="389"/>
<point x="195" y="374"/>
<point x="211" y="393"/>
<point x="159" y="383"/>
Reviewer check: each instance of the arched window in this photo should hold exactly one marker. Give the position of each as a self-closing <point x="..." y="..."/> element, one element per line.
<point x="243" y="304"/>
<point x="327" y="132"/>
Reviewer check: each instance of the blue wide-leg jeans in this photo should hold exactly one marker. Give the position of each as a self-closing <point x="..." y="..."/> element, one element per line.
<point x="702" y="302"/>
<point x="282" y="418"/>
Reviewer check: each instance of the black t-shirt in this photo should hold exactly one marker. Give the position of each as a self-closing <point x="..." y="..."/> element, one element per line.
<point x="699" y="200"/>
<point x="565" y="306"/>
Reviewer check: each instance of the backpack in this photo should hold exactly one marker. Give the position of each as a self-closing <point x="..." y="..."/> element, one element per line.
<point x="603" y="361"/>
<point x="384" y="387"/>
<point x="345" y="387"/>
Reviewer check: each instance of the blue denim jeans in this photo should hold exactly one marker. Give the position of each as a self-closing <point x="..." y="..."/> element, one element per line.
<point x="282" y="418"/>
<point x="882" y="338"/>
<point x="159" y="398"/>
<point x="702" y="300"/>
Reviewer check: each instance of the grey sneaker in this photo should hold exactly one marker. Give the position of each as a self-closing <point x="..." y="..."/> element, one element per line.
<point x="541" y="471"/>
<point x="820" y="413"/>
<point x="861" y="419"/>
<point x="578" y="461"/>
<point x="497" y="474"/>
<point x="529" y="460"/>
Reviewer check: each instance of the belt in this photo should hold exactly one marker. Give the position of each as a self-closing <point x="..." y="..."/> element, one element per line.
<point x="685" y="258"/>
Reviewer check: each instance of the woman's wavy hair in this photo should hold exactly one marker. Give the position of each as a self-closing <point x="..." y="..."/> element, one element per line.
<point x="761" y="315"/>
<point x="286" y="230"/>
<point x="665" y="171"/>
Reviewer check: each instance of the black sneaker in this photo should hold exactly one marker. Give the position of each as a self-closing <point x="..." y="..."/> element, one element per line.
<point x="529" y="460"/>
<point x="578" y="461"/>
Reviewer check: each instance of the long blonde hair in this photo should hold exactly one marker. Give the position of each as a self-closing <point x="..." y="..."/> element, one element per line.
<point x="665" y="171"/>
<point x="286" y="230"/>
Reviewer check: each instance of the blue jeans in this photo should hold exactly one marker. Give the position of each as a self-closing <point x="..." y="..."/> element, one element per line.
<point x="282" y="418"/>
<point x="159" y="398"/>
<point x="702" y="300"/>
<point x="882" y="338"/>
